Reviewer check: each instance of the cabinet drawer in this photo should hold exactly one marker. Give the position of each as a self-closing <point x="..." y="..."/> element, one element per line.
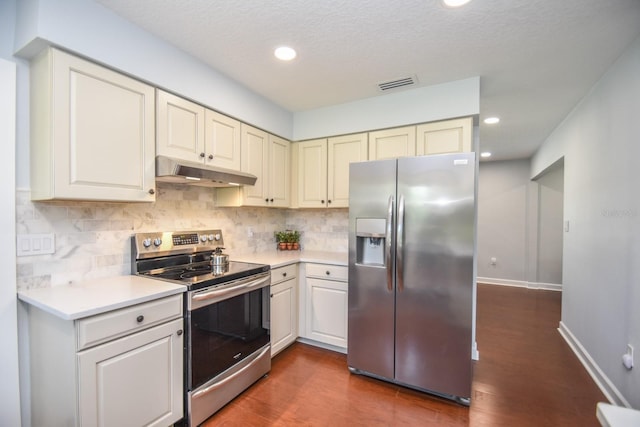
<point x="283" y="273"/>
<point x="327" y="271"/>
<point x="104" y="327"/>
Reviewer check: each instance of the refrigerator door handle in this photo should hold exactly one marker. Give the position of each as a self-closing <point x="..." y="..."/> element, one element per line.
<point x="400" y="243"/>
<point x="387" y="249"/>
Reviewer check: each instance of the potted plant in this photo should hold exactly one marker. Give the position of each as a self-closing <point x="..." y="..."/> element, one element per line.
<point x="281" y="238"/>
<point x="295" y="240"/>
<point x="289" y="239"/>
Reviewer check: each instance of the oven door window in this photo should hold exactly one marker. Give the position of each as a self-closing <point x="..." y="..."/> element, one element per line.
<point x="226" y="332"/>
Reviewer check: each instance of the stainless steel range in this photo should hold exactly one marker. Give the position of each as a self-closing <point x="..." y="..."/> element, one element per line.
<point x="226" y="314"/>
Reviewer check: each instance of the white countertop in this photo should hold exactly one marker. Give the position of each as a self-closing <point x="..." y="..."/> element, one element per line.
<point x="616" y="416"/>
<point x="97" y="296"/>
<point x="278" y="258"/>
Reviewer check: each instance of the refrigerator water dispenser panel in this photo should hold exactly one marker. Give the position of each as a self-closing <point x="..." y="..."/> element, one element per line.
<point x="370" y="241"/>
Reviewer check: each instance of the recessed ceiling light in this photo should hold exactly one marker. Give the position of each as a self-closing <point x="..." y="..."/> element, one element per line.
<point x="491" y="120"/>
<point x="485" y="154"/>
<point x="285" y="53"/>
<point x="455" y="3"/>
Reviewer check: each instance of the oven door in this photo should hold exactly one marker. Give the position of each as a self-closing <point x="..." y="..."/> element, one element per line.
<point x="226" y="325"/>
<point x="228" y="343"/>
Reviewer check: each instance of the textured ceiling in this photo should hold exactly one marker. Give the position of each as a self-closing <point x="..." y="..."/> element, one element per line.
<point x="536" y="58"/>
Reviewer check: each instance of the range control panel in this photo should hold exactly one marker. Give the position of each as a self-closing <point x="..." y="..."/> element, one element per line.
<point x="146" y="245"/>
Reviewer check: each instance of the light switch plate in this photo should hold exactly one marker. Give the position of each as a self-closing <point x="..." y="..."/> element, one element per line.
<point x="35" y="244"/>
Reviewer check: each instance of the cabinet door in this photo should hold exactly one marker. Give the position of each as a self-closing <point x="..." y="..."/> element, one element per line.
<point x="133" y="381"/>
<point x="255" y="146"/>
<point x="279" y="168"/>
<point x="284" y="318"/>
<point x="326" y="311"/>
<point x="343" y="150"/>
<point x="93" y="132"/>
<point x="312" y="174"/>
<point x="222" y="141"/>
<point x="179" y="127"/>
<point x="451" y="136"/>
<point x="392" y="143"/>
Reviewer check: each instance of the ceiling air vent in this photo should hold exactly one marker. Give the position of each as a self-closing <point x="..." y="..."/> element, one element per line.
<point x="398" y="83"/>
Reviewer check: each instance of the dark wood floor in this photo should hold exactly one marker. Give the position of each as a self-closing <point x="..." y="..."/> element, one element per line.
<point x="526" y="376"/>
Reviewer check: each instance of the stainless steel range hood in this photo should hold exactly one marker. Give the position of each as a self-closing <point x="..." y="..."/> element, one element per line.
<point x="182" y="172"/>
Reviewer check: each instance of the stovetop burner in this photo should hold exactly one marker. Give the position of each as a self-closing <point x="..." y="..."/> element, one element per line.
<point x="185" y="258"/>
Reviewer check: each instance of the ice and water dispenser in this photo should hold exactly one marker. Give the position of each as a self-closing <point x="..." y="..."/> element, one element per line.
<point x="370" y="241"/>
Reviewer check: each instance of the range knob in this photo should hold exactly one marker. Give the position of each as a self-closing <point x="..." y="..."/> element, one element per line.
<point x="203" y="238"/>
<point x="146" y="242"/>
<point x="211" y="237"/>
<point x="217" y="237"/>
<point x="157" y="241"/>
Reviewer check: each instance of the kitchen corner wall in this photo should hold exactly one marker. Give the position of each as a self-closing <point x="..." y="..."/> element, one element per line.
<point x="93" y="239"/>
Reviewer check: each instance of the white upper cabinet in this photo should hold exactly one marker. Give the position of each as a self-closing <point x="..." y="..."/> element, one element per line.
<point x="190" y="132"/>
<point x="279" y="169"/>
<point x="255" y="160"/>
<point x="450" y="136"/>
<point x="323" y="170"/>
<point x="179" y="127"/>
<point x="268" y="157"/>
<point x="392" y="143"/>
<point x="92" y="132"/>
<point x="312" y="173"/>
<point x="341" y="151"/>
<point x="222" y="145"/>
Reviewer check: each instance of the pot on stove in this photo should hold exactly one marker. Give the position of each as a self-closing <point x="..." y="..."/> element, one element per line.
<point x="219" y="261"/>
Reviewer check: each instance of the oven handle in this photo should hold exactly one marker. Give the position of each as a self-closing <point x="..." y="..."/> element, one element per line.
<point x="224" y="291"/>
<point x="219" y="384"/>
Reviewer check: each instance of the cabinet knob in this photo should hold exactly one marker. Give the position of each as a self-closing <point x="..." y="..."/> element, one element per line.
<point x="328" y="273"/>
<point x="266" y="200"/>
<point x="202" y="154"/>
<point x="284" y="274"/>
<point x="271" y="200"/>
<point x="271" y="295"/>
<point x="152" y="191"/>
<point x="328" y="201"/>
<point x="139" y="319"/>
<point x="322" y="201"/>
<point x="210" y="156"/>
<point x="179" y="332"/>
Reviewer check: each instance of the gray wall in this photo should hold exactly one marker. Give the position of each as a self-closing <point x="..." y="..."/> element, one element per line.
<point x="9" y="365"/>
<point x="520" y="224"/>
<point x="550" y="225"/>
<point x="600" y="143"/>
<point x="502" y="221"/>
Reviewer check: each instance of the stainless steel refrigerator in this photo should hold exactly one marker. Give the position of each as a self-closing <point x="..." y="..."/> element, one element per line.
<point x="411" y="272"/>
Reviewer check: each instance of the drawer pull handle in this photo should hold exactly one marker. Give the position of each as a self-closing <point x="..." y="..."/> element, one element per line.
<point x="179" y="332"/>
<point x="328" y="273"/>
<point x="284" y="274"/>
<point x="139" y="319"/>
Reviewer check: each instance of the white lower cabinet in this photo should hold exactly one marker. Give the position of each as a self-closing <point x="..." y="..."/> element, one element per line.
<point x="326" y="304"/>
<point x="88" y="372"/>
<point x="284" y="308"/>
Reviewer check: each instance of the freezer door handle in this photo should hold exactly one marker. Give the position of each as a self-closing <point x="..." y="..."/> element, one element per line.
<point x="387" y="248"/>
<point x="400" y="243"/>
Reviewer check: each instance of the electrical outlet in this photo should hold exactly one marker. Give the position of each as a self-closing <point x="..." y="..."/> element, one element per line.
<point x="627" y="358"/>
<point x="494" y="260"/>
<point x="35" y="244"/>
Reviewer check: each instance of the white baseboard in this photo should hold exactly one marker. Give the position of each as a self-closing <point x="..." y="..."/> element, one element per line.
<point x="602" y="381"/>
<point x="519" y="283"/>
<point x="322" y="345"/>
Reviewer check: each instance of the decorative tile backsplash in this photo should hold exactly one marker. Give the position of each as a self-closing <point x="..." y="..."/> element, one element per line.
<point x="93" y="239"/>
